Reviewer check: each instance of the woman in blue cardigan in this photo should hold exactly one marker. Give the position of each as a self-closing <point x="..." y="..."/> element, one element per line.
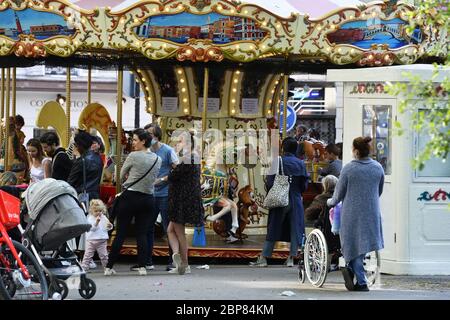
<point x="359" y="188"/>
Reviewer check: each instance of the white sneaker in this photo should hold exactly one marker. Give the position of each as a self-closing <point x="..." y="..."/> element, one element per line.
<point x="260" y="262"/>
<point x="109" y="272"/>
<point x="92" y="265"/>
<point x="178" y="263"/>
<point x="289" y="262"/>
<point x="142" y="271"/>
<point x="175" y="270"/>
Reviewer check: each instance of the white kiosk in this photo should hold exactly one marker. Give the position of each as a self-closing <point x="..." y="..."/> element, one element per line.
<point x="415" y="204"/>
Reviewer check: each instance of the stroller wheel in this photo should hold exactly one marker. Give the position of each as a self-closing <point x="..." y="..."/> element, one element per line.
<point x="63" y="289"/>
<point x="87" y="288"/>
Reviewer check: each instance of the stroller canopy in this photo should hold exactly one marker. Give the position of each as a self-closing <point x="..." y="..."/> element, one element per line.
<point x="40" y="193"/>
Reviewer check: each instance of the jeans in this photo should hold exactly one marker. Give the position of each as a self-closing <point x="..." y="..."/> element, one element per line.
<point x="140" y="206"/>
<point x="293" y="247"/>
<point x="161" y="205"/>
<point x="357" y="266"/>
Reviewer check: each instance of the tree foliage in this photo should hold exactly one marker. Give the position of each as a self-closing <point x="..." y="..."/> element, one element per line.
<point x="434" y="121"/>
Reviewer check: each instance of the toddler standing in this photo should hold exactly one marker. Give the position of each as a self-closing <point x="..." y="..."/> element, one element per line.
<point x="97" y="237"/>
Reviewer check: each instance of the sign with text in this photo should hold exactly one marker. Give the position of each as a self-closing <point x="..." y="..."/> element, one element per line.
<point x="169" y="104"/>
<point x="213" y="105"/>
<point x="249" y="106"/>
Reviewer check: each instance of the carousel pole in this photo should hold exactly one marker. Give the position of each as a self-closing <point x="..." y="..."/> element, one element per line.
<point x="2" y="109"/>
<point x="89" y="85"/>
<point x="205" y="103"/>
<point x="68" y="102"/>
<point x="13" y="92"/>
<point x="119" y="129"/>
<point x="8" y="95"/>
<point x="285" y="97"/>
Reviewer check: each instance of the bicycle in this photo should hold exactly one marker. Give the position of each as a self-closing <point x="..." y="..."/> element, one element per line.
<point x="21" y="276"/>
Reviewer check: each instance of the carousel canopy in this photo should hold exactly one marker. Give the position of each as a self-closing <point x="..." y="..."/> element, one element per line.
<point x="293" y="33"/>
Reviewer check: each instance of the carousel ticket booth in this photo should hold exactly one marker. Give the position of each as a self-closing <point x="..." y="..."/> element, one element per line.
<point x="414" y="203"/>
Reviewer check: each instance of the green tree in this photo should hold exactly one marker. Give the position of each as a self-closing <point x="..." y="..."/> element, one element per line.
<point x="431" y="16"/>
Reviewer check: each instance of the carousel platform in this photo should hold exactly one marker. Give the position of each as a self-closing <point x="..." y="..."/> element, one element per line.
<point x="215" y="247"/>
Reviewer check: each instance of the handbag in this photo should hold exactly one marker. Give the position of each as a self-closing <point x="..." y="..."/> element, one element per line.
<point x="83" y="197"/>
<point x="199" y="238"/>
<point x="113" y="211"/>
<point x="278" y="195"/>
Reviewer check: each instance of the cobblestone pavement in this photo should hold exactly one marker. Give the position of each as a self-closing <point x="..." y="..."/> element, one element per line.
<point x="232" y="282"/>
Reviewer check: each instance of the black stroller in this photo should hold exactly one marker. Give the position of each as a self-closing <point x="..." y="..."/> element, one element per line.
<point x="54" y="216"/>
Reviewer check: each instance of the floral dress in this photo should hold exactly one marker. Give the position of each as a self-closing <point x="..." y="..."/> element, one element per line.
<point x="185" y="200"/>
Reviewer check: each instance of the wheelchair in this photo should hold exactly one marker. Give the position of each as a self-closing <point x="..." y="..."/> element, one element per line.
<point x="315" y="257"/>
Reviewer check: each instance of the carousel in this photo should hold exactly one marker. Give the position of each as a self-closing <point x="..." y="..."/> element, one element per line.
<point x="214" y="67"/>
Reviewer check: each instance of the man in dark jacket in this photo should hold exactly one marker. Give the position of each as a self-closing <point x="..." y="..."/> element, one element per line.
<point x="92" y="164"/>
<point x="61" y="164"/>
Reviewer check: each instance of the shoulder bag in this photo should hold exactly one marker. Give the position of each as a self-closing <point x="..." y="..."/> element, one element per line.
<point x="278" y="195"/>
<point x="115" y="205"/>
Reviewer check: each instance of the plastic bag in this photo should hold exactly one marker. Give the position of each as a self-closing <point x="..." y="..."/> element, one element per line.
<point x="335" y="218"/>
<point x="199" y="238"/>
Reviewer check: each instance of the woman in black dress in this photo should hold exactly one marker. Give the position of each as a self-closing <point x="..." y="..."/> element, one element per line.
<point x="185" y="201"/>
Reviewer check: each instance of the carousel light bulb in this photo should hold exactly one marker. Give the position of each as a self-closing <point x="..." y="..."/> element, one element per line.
<point x="183" y="89"/>
<point x="269" y="111"/>
<point x="83" y="20"/>
<point x="370" y="56"/>
<point x="234" y="90"/>
<point x="328" y="49"/>
<point x="185" y="100"/>
<point x="263" y="46"/>
<point x="53" y="42"/>
<point x="319" y="28"/>
<point x="273" y="91"/>
<point x="136" y="20"/>
<point x="147" y="88"/>
<point x="332" y="26"/>
<point x="374" y="14"/>
<point x="352" y="51"/>
<point x="189" y="51"/>
<point x="277" y="82"/>
<point x="122" y="20"/>
<point x="406" y="51"/>
<point x="143" y="80"/>
<point x="219" y="7"/>
<point x="211" y="52"/>
<point x="75" y="42"/>
<point x="235" y="80"/>
<point x="278" y="26"/>
<point x="233" y="100"/>
<point x="36" y="48"/>
<point x="186" y="110"/>
<point x="363" y="15"/>
<point x="165" y="45"/>
<point x="351" y="17"/>
<point x="180" y="71"/>
<point x="51" y="7"/>
<point x="264" y="24"/>
<point x="149" y="109"/>
<point x="182" y="80"/>
<point x="237" y="46"/>
<point x="232" y="11"/>
<point x="238" y="72"/>
<point x="167" y="9"/>
<point x="386" y="58"/>
<point x="154" y="10"/>
<point x="270" y="101"/>
<point x="138" y="43"/>
<point x="246" y="11"/>
<point x="180" y="7"/>
<point x="233" y="111"/>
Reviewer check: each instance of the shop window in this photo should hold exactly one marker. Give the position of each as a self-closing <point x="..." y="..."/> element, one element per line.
<point x="434" y="167"/>
<point x="377" y="123"/>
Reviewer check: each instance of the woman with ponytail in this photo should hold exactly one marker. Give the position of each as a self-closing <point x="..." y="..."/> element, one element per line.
<point x="359" y="188"/>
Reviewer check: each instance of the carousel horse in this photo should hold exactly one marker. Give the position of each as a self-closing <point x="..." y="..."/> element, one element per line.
<point x="109" y="171"/>
<point x="248" y="210"/>
<point x="219" y="185"/>
<point x="313" y="150"/>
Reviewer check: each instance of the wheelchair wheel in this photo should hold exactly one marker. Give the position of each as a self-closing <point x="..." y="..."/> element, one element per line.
<point x="13" y="285"/>
<point x="372" y="263"/>
<point x="87" y="288"/>
<point x="316" y="258"/>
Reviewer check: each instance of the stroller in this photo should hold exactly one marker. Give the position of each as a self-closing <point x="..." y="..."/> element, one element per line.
<point x="54" y="216"/>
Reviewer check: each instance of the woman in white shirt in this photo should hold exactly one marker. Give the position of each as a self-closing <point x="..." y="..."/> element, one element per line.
<point x="40" y="167"/>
